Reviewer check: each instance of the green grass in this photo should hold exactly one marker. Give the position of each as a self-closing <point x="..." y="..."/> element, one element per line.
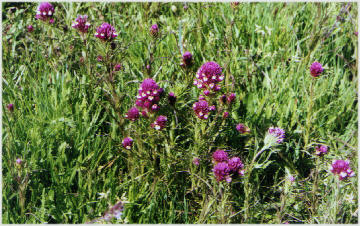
<point x="68" y="132"/>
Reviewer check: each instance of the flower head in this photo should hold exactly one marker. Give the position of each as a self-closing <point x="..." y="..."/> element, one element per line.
<point x="208" y="76"/>
<point x="321" y="150"/>
<point x="187" y="59"/>
<point x="196" y="161"/>
<point x="278" y="133"/>
<point x="225" y="115"/>
<point x="316" y="69"/>
<point x="44" y="11"/>
<point x="220" y="156"/>
<point x="10" y="107"/>
<point x="201" y="109"/>
<point x="235" y="165"/>
<point x="127" y="143"/>
<point x="222" y="172"/>
<point x="133" y="114"/>
<point x="231" y="98"/>
<point x="149" y="95"/>
<point x="160" y="123"/>
<point x="242" y="128"/>
<point x="172" y="98"/>
<point x="99" y="58"/>
<point x="81" y="24"/>
<point x="106" y="32"/>
<point x="118" y="67"/>
<point x="19" y="161"/>
<point x="342" y="168"/>
<point x="154" y="30"/>
<point x="51" y="21"/>
<point x="30" y="28"/>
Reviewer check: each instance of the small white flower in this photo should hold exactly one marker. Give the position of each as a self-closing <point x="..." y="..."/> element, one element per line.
<point x="49" y="13"/>
<point x="157" y="127"/>
<point x="44" y="13"/>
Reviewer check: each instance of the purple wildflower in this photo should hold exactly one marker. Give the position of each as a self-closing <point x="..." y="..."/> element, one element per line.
<point x="160" y="123"/>
<point x="277" y="133"/>
<point x="172" y="98"/>
<point x="220" y="156"/>
<point x="226" y="114"/>
<point x="81" y="24"/>
<point x="342" y="168"/>
<point x="231" y="98"/>
<point x="44" y="11"/>
<point x="212" y="108"/>
<point x="106" y="32"/>
<point x="222" y="172"/>
<point x="154" y="30"/>
<point x="99" y="58"/>
<point x="133" y="114"/>
<point x="321" y="150"/>
<point x="242" y="128"/>
<point x="196" y="161"/>
<point x="30" y="28"/>
<point x="149" y="95"/>
<point x="127" y="143"/>
<point x="208" y="75"/>
<point x="19" y="161"/>
<point x="201" y="109"/>
<point x="316" y="69"/>
<point x="118" y="67"/>
<point x="187" y="59"/>
<point x="51" y="21"/>
<point x="10" y="107"/>
<point x="235" y="165"/>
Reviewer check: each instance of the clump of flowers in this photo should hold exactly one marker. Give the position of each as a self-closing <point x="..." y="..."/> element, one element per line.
<point x="186" y="59"/>
<point x="160" y="123"/>
<point x="220" y="156"/>
<point x="236" y="165"/>
<point x="225" y="168"/>
<point x="81" y="24"/>
<point x="316" y="69"/>
<point x="222" y="172"/>
<point x="201" y="109"/>
<point x="154" y="30"/>
<point x="225" y="115"/>
<point x="242" y="128"/>
<point x="127" y="143"/>
<point x="277" y="133"/>
<point x="149" y="95"/>
<point x="342" y="168"/>
<point x="106" y="32"/>
<point x="321" y="150"/>
<point x="231" y="98"/>
<point x="208" y="76"/>
<point x="45" y="11"/>
<point x="19" y="161"/>
<point x="133" y="114"/>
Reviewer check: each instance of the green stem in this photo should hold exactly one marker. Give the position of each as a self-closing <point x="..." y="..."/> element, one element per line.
<point x="309" y="114"/>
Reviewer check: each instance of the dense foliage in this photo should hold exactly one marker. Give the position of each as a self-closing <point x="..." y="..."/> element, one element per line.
<point x="179" y="112"/>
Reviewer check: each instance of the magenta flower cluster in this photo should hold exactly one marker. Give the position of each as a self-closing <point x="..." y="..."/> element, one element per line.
<point x="45" y="11"/>
<point x="321" y="150"/>
<point x="133" y="114"/>
<point x="186" y="59"/>
<point x="154" y="30"/>
<point x="106" y="32"/>
<point x="208" y="76"/>
<point x="127" y="143"/>
<point x="316" y="69"/>
<point x="242" y="128"/>
<point x="342" y="168"/>
<point x="160" y="123"/>
<point x="81" y="24"/>
<point x="201" y="109"/>
<point x="224" y="167"/>
<point x="277" y="133"/>
<point x="149" y="96"/>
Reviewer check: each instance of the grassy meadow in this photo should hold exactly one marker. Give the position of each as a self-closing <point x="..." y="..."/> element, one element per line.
<point x="63" y="160"/>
